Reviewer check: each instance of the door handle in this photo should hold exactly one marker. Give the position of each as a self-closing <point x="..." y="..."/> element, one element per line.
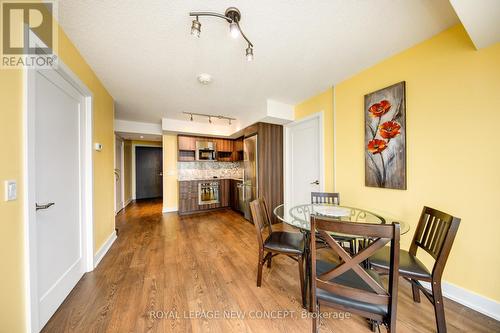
<point x="316" y="182"/>
<point x="45" y="206"/>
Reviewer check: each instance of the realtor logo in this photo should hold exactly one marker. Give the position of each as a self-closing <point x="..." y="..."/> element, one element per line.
<point x="29" y="34"/>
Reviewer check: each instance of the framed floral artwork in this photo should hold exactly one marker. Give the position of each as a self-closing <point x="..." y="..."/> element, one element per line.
<point x="385" y="137"/>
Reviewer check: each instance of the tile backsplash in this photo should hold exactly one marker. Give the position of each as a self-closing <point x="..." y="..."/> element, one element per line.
<point x="205" y="170"/>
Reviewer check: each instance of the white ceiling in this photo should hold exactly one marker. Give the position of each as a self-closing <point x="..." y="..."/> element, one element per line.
<point x="481" y="18"/>
<point x="145" y="56"/>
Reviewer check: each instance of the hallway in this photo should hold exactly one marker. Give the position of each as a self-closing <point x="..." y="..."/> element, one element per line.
<point x="171" y="274"/>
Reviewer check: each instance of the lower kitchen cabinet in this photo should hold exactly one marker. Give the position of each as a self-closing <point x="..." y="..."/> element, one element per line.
<point x="224" y="192"/>
<point x="189" y="196"/>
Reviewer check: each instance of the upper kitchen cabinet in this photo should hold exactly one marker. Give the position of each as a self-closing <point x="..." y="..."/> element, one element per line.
<point x="186" y="142"/>
<point x="238" y="149"/>
<point x="186" y="148"/>
<point x="224" y="149"/>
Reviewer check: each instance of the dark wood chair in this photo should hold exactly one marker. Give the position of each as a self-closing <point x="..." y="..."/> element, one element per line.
<point x="332" y="199"/>
<point x="276" y="242"/>
<point x="435" y="234"/>
<point x="347" y="285"/>
<point x="325" y="198"/>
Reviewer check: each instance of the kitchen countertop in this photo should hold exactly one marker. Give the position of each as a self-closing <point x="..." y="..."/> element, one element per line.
<point x="210" y="179"/>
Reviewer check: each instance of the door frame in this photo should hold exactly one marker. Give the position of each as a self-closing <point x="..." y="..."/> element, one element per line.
<point x="287" y="158"/>
<point x="134" y="145"/>
<point x="86" y="183"/>
<point x="122" y="174"/>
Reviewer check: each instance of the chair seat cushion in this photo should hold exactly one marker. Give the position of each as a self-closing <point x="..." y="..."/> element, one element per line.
<point x="409" y="265"/>
<point x="286" y="242"/>
<point x="349" y="279"/>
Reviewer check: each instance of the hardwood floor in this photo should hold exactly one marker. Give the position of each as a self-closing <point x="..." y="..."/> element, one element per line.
<point x="171" y="274"/>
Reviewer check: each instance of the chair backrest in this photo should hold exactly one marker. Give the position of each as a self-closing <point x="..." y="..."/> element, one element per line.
<point x="261" y="219"/>
<point x="325" y="198"/>
<point x="435" y="234"/>
<point x="380" y="234"/>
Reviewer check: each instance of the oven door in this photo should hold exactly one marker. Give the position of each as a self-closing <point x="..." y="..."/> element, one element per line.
<point x="208" y="193"/>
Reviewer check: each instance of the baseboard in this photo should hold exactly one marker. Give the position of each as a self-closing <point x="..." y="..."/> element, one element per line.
<point x="169" y="209"/>
<point x="104" y="248"/>
<point x="127" y="202"/>
<point x="479" y="303"/>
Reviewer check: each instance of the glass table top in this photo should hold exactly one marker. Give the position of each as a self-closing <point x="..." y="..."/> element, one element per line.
<point x="299" y="215"/>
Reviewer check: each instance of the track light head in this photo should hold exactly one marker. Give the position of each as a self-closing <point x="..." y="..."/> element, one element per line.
<point x="196" y="27"/>
<point x="210" y="120"/>
<point x="191" y="117"/>
<point x="234" y="31"/>
<point x="249" y="53"/>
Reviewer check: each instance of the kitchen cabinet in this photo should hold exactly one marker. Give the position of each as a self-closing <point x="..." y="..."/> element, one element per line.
<point x="234" y="195"/>
<point x="188" y="196"/>
<point x="238" y="150"/>
<point x="224" y="192"/>
<point x="186" y="146"/>
<point x="224" y="149"/>
<point x="186" y="142"/>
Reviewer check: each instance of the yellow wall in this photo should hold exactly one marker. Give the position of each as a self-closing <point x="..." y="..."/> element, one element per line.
<point x="322" y="103"/>
<point x="11" y="215"/>
<point x="127" y="169"/>
<point x="170" y="191"/>
<point x="453" y="111"/>
<point x="12" y="314"/>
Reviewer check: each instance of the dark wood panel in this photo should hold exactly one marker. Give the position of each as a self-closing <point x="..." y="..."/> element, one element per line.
<point x="224" y="192"/>
<point x="270" y="143"/>
<point x="206" y="262"/>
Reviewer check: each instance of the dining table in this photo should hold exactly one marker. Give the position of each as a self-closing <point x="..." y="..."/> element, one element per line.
<point x="299" y="216"/>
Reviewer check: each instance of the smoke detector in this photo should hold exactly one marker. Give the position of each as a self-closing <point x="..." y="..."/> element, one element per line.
<point x="205" y="78"/>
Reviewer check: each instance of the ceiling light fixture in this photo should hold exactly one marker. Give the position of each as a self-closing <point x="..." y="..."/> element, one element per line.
<point x="233" y="17"/>
<point x="196" y="28"/>
<point x="209" y="116"/>
<point x="249" y="53"/>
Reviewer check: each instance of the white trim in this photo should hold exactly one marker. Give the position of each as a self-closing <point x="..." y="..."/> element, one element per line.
<point x="169" y="209"/>
<point x="104" y="248"/>
<point x="470" y="299"/>
<point x="30" y="265"/>
<point x="334" y="129"/>
<point x="287" y="155"/>
<point x="159" y="145"/>
<point x="122" y="173"/>
<point x="127" y="203"/>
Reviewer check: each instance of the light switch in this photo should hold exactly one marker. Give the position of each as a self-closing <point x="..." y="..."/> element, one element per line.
<point x="10" y="190"/>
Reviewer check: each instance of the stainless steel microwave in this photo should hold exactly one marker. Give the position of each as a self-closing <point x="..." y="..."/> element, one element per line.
<point x="205" y="151"/>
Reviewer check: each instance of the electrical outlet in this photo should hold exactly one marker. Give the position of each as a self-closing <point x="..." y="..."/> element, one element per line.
<point x="10" y="190"/>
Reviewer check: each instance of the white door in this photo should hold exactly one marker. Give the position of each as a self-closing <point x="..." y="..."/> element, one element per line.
<point x="58" y="112"/>
<point x="303" y="160"/>
<point x="118" y="174"/>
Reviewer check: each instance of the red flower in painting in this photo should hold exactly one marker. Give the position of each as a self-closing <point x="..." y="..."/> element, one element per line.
<point x="376" y="146"/>
<point x="380" y="108"/>
<point x="389" y="129"/>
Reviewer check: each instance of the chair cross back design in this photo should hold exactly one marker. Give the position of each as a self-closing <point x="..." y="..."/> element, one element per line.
<point x="348" y="285"/>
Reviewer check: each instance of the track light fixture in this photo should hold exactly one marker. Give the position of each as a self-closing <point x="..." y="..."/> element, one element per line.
<point x="196" y="27"/>
<point x="233" y="17"/>
<point x="209" y="116"/>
